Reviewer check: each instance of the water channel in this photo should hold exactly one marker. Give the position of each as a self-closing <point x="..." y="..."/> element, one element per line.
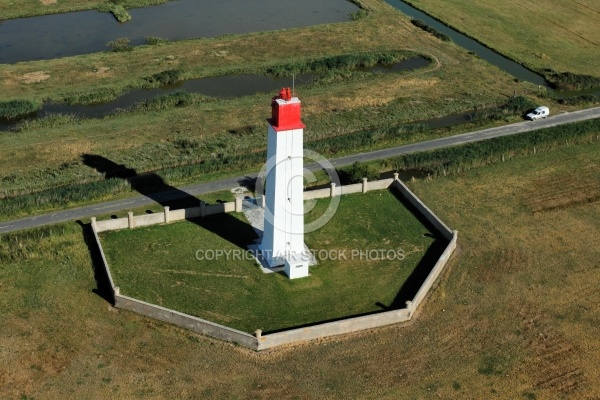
<point x="511" y="67"/>
<point x="222" y="87"/>
<point x="67" y="34"/>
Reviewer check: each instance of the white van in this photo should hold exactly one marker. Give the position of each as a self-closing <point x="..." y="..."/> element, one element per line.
<point x="540" y="112"/>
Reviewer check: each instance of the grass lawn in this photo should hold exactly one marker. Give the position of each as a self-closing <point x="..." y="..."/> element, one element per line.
<point x="237" y="294"/>
<point x="558" y="34"/>
<point x="515" y="317"/>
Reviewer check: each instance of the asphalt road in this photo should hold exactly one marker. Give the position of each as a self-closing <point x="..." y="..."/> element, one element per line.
<point x="224" y="184"/>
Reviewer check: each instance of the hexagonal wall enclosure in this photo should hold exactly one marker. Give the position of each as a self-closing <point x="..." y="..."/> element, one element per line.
<point x="234" y="301"/>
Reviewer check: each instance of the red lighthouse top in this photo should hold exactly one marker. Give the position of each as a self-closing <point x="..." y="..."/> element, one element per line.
<point x="285" y="112"/>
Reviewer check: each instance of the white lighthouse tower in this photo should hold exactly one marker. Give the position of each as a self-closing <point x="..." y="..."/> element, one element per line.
<point x="282" y="242"/>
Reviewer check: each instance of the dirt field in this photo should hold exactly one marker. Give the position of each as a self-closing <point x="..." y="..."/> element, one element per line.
<point x="515" y="317"/>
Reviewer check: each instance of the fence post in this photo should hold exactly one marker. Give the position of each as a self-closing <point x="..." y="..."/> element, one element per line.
<point x="396" y="176"/>
<point x="167" y="215"/>
<point x="202" y="208"/>
<point x="364" y="185"/>
<point x="130" y="222"/>
<point x="409" y="307"/>
<point x="238" y="203"/>
<point x="332" y="189"/>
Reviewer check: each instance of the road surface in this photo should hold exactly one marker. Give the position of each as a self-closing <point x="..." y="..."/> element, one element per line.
<point x="224" y="184"/>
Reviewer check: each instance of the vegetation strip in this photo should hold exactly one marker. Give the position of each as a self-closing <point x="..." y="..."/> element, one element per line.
<point x="443" y="161"/>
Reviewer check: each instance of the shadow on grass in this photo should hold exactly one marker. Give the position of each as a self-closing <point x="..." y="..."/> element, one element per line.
<point x="154" y="187"/>
<point x="103" y="287"/>
<point x="149" y="184"/>
<point x="415" y="280"/>
<point x="228" y="227"/>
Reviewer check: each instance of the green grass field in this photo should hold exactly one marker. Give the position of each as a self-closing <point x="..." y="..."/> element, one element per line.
<point x="236" y="293"/>
<point x="514" y="317"/>
<point x="561" y="35"/>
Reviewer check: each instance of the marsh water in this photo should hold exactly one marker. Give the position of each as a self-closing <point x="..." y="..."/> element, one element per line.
<point x="84" y="32"/>
<point x="67" y="34"/>
<point x="227" y="86"/>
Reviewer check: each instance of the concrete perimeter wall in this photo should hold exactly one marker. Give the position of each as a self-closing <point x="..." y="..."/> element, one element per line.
<point x="290" y="336"/>
<point x="423" y="209"/>
<point x="104" y="265"/>
<point x="341" y="327"/>
<point x="187" y="321"/>
<point x="317" y="194"/>
<point x="135" y="221"/>
<point x="433" y="275"/>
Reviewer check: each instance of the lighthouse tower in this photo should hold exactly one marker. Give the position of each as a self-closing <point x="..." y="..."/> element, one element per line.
<point x="282" y="242"/>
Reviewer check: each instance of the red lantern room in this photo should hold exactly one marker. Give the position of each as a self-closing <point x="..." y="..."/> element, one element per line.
<point x="285" y="113"/>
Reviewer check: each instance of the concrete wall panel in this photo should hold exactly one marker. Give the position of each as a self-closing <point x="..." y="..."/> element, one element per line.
<point x="317" y="194"/>
<point x="333" y="328"/>
<point x="111" y="224"/>
<point x="177" y="215"/>
<point x="348" y="189"/>
<point x="149" y="219"/>
<point x="187" y="321"/>
<point x="211" y="209"/>
<point x="423" y="209"/>
<point x="104" y="262"/>
<point x="380" y="184"/>
<point x="435" y="272"/>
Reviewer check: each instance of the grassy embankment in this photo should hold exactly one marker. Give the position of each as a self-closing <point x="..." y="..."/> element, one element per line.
<point x="49" y="156"/>
<point x="237" y="294"/>
<point x="515" y="316"/>
<point x="554" y="38"/>
<point x="30" y="8"/>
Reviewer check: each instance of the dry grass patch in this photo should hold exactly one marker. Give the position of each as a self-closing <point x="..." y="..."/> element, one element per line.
<point x="557" y="359"/>
<point x="34" y="77"/>
<point x="557" y="189"/>
<point x="515" y="317"/>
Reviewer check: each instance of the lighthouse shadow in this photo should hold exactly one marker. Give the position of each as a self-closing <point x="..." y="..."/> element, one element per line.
<point x="154" y="187"/>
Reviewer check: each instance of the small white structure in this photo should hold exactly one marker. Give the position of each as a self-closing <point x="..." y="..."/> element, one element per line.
<point x="283" y="236"/>
<point x="540" y="112"/>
